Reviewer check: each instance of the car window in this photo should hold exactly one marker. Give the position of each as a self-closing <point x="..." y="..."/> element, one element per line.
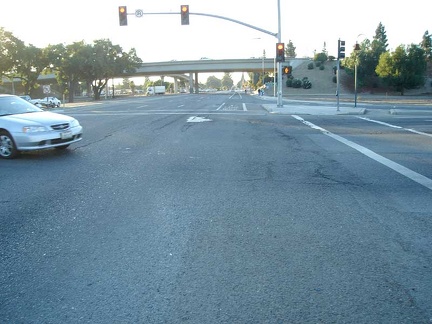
<point x="15" y="105"/>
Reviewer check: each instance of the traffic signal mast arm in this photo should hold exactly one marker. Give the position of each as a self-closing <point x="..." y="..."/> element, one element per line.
<point x="215" y="16"/>
<point x="237" y="22"/>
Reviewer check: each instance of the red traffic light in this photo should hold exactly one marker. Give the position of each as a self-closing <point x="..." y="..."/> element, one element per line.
<point x="123" y="16"/>
<point x="184" y="12"/>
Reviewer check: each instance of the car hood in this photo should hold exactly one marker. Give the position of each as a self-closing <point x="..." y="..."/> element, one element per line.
<point x="41" y="117"/>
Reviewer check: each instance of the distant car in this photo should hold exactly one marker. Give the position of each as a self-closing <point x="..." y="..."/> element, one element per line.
<point x="50" y="102"/>
<point x="25" y="127"/>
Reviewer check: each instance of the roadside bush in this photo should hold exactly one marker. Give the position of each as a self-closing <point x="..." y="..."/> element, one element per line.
<point x="297" y="83"/>
<point x="321" y="67"/>
<point x="289" y="82"/>
<point x="310" y="66"/>
<point x="306" y="83"/>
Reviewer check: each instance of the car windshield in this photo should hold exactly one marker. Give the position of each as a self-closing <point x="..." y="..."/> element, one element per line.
<point x="11" y="105"/>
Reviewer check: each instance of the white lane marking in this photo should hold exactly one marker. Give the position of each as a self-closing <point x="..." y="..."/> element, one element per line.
<point x="180" y="106"/>
<point x="417" y="177"/>
<point x="235" y="93"/>
<point x="394" y="126"/>
<point x="220" y="107"/>
<point x="244" y="107"/>
<point x="197" y="119"/>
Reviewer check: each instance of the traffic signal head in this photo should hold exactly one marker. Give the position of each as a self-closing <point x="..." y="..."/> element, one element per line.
<point x="341" y="49"/>
<point x="287" y="70"/>
<point x="280" y="52"/>
<point x="184" y="12"/>
<point x="122" y="15"/>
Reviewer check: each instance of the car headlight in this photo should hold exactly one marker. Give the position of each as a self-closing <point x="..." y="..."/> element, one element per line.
<point x="74" y="123"/>
<point x="34" y="129"/>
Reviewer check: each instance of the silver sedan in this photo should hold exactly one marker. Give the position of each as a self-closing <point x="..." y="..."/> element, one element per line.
<point x="25" y="127"/>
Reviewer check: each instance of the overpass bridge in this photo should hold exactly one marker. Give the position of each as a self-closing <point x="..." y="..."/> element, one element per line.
<point x="189" y="70"/>
<point x="186" y="69"/>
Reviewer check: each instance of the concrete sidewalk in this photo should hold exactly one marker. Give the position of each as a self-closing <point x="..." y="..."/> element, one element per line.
<point x="294" y="109"/>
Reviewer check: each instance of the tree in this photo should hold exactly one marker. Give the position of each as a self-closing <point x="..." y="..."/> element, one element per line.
<point x="132" y="87"/>
<point x="379" y="43"/>
<point x="426" y="45"/>
<point x="290" y="50"/>
<point x="9" y="48"/>
<point x="32" y="61"/>
<point x="227" y="81"/>
<point x="320" y="57"/>
<point x="104" y="61"/>
<point x="213" y="82"/>
<point x="403" y="69"/>
<point x="368" y="58"/>
<point x="67" y="63"/>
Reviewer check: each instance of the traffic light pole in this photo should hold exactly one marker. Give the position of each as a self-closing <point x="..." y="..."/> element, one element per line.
<point x="279" y="66"/>
<point x="337" y="84"/>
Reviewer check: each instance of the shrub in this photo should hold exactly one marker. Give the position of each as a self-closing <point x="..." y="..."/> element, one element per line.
<point x="321" y="67"/>
<point x="297" y="83"/>
<point x="306" y="84"/>
<point x="289" y="82"/>
<point x="310" y="66"/>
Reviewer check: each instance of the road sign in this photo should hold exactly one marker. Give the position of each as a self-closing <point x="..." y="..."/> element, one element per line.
<point x="46" y="89"/>
<point x="139" y="13"/>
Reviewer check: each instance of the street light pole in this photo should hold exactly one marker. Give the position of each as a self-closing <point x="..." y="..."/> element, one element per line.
<point x="263" y="72"/>
<point x="355" y="83"/>
<point x="356" y="49"/>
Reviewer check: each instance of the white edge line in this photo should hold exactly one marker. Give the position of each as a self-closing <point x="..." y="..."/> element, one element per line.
<point x="244" y="107"/>
<point x="417" y="177"/>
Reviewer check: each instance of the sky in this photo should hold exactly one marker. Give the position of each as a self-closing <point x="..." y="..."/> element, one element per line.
<point x="310" y="25"/>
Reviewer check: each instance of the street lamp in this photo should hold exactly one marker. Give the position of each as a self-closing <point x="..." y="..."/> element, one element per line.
<point x="356" y="50"/>
<point x="263" y="72"/>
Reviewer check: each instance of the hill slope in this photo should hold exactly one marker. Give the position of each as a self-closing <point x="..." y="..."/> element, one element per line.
<point x="322" y="80"/>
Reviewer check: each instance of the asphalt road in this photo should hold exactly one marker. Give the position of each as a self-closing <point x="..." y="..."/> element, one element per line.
<point x="209" y="209"/>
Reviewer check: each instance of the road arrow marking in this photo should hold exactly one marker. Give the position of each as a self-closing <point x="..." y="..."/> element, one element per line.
<point x="196" y="119"/>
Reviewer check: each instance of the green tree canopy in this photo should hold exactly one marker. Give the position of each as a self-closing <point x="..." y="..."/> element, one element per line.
<point x="9" y="48"/>
<point x="290" y="50"/>
<point x="213" y="82"/>
<point x="227" y="81"/>
<point x="404" y="68"/>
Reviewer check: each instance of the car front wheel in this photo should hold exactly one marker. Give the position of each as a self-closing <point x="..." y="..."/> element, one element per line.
<point x="8" y="148"/>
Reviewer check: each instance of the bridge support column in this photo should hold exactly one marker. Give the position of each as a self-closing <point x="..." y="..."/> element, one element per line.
<point x="190" y="83"/>
<point x="175" y="85"/>
<point x="196" y="83"/>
